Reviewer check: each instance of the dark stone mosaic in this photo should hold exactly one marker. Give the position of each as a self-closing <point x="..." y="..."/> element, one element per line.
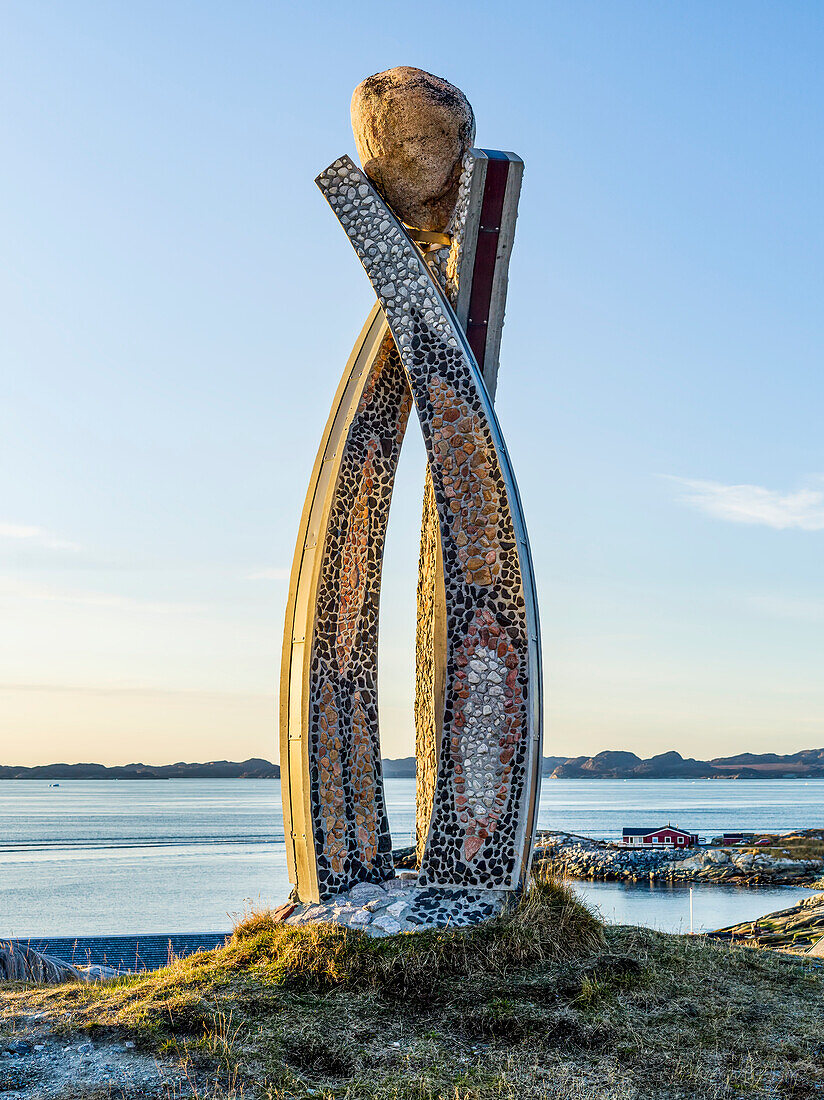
<point x="352" y="841"/>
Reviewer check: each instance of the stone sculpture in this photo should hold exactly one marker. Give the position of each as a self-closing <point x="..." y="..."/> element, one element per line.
<point x="435" y="328"/>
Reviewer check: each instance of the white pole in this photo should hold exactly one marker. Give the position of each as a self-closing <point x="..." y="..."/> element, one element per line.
<point x="691" y="931"/>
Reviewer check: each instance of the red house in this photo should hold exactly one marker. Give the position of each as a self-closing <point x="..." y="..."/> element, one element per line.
<point x="667" y="837"/>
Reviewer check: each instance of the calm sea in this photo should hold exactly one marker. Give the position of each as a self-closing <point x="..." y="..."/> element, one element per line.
<point x="106" y="856"/>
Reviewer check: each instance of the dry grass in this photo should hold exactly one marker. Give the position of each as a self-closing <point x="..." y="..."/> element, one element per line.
<point x="807" y="844"/>
<point x="548" y="924"/>
<point x="540" y="1005"/>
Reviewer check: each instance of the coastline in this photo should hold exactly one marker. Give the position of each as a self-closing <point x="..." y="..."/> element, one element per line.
<point x="793" y="859"/>
<point x="807" y="764"/>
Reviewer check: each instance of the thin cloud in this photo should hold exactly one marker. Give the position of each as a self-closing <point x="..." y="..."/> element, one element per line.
<point x="34" y="536"/>
<point x="802" y="510"/>
<point x="268" y="575"/>
<point x="118" y="689"/>
<point x="14" y="588"/>
<point x="788" y="607"/>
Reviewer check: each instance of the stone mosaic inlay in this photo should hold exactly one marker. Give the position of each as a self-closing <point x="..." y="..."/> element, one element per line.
<point x="479" y="818"/>
<point x="483" y="798"/>
<point x="352" y="831"/>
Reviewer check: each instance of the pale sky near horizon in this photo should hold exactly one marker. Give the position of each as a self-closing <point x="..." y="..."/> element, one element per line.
<point x="178" y="304"/>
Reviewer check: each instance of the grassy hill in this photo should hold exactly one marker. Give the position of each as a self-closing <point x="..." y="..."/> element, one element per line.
<point x="542" y="1003"/>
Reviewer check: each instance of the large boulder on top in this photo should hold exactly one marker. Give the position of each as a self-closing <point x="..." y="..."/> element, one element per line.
<point x="411" y="132"/>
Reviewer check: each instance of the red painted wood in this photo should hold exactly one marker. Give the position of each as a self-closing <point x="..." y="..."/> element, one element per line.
<point x="483" y="273"/>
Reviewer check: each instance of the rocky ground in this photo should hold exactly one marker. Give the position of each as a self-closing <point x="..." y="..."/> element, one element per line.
<point x="797" y="929"/>
<point x="37" y="1062"/>
<point x="581" y="857"/>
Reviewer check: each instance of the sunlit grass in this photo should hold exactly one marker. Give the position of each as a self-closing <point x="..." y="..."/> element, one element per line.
<point x="541" y="1003"/>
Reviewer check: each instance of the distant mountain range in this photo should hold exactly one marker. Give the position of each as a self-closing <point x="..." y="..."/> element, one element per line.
<point x="215" y="769"/>
<point x="668" y="765"/>
<point x="807" y="764"/>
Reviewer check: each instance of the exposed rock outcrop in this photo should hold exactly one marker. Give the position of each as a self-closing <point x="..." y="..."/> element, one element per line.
<point x="800" y="928"/>
<point x="580" y="857"/>
<point x="23" y="964"/>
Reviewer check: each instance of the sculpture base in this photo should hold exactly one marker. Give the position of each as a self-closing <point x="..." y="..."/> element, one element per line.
<point x="401" y="905"/>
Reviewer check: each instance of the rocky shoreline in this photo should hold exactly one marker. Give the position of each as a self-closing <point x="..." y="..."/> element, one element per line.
<point x="570" y="856"/>
<point x="800" y="928"/>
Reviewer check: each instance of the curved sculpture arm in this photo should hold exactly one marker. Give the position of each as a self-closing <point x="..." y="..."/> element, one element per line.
<point x="484" y="814"/>
<point x="334" y="811"/>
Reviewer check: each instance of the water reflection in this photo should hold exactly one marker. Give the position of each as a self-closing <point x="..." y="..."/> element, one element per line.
<point x="667" y="907"/>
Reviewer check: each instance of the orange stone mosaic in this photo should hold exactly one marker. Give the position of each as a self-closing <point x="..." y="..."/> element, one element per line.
<point x="331" y="770"/>
<point x="354" y="565"/>
<point x="468" y="484"/>
<point x="362" y="779"/>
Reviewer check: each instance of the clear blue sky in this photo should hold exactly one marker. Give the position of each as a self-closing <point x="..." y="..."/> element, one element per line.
<point x="178" y="303"/>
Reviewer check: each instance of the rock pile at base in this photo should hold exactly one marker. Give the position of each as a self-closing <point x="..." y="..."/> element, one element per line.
<point x="580" y="857"/>
<point x="400" y="905"/>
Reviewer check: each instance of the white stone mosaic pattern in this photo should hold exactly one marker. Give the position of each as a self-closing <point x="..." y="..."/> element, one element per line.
<point x="445" y="264"/>
<point x="456" y="229"/>
<point x="401" y="905"/>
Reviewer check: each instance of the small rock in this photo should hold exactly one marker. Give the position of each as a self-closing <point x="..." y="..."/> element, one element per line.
<point x="387" y="924"/>
<point x="399" y="883"/>
<point x="717" y="855"/>
<point x="363" y="890"/>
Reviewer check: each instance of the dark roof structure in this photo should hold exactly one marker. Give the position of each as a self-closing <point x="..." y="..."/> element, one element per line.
<point x="132" y="953"/>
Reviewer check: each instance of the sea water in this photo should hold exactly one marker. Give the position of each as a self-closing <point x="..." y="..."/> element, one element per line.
<point x="90" y="857"/>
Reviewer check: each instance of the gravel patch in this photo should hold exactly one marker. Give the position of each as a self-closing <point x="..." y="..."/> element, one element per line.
<point x="35" y="1064"/>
